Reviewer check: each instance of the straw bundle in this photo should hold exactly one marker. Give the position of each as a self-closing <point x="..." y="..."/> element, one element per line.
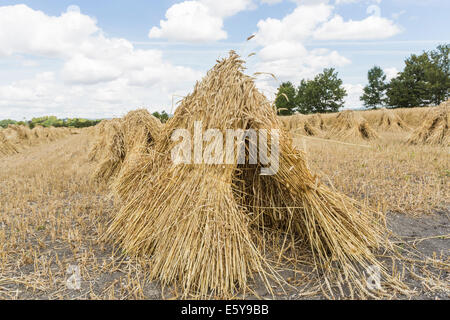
<point x="6" y="147"/>
<point x="11" y="134"/>
<point x="285" y="122"/>
<point x="108" y="150"/>
<point x="120" y="138"/>
<point x="317" y="121"/>
<point x="301" y="124"/>
<point x="413" y="117"/>
<point x="205" y="227"/>
<point x="99" y="144"/>
<point x="23" y="134"/>
<point x="75" y="131"/>
<point x="349" y="125"/>
<point x="141" y="130"/>
<point x="54" y="134"/>
<point x="390" y="121"/>
<point x="40" y="134"/>
<point x="435" y="128"/>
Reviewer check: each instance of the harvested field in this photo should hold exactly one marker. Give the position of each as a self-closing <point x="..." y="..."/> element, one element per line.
<point x="52" y="216"/>
<point x="221" y="231"/>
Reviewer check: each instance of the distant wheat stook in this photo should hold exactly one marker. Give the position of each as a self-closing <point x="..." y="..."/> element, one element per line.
<point x="435" y="129"/>
<point x="210" y="229"/>
<point x="349" y="125"/>
<point x="117" y="139"/>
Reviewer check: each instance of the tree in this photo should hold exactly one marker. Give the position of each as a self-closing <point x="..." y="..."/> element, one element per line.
<point x="411" y="88"/>
<point x="439" y="74"/>
<point x="322" y="94"/>
<point x="5" y="123"/>
<point x="374" y="92"/>
<point x="425" y="80"/>
<point x="163" y="116"/>
<point x="285" y="100"/>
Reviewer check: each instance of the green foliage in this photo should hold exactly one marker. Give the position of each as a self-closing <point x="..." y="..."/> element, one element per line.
<point x="80" y="123"/>
<point x="439" y="74"/>
<point x="52" y="121"/>
<point x="424" y="81"/>
<point x="323" y="94"/>
<point x="163" y="116"/>
<point x="411" y="88"/>
<point x="286" y="99"/>
<point x="48" y="121"/>
<point x="375" y="91"/>
<point x="5" y="123"/>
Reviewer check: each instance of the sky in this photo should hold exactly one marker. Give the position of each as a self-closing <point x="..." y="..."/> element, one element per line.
<point x="103" y="58"/>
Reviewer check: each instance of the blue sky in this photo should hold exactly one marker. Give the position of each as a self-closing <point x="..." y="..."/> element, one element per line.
<point x="103" y="58"/>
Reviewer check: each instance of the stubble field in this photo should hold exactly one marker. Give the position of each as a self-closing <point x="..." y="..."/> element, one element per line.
<point x="53" y="216"/>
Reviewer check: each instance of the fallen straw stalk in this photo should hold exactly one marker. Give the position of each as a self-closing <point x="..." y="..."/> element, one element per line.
<point x="208" y="229"/>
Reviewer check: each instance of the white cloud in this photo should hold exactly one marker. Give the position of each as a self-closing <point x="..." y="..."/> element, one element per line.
<point x="296" y="26"/>
<point x="100" y="76"/>
<point x="283" y="52"/>
<point x="304" y="65"/>
<point x="372" y="27"/>
<point x="83" y="70"/>
<point x="228" y="8"/>
<point x="95" y="75"/>
<point x="354" y="92"/>
<point x="24" y="30"/>
<point x="270" y="2"/>
<point x="198" y="20"/>
<point x="189" y="21"/>
<point x="29" y="63"/>
<point x="355" y="1"/>
<point x="391" y="73"/>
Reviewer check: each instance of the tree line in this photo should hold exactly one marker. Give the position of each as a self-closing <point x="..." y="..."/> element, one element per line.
<point x="424" y="81"/>
<point x="52" y="121"/>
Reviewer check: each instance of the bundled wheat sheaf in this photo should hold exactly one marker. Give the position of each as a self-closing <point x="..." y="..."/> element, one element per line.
<point x="119" y="139"/>
<point x="390" y="121"/>
<point x="6" y="147"/>
<point x="317" y="121"/>
<point x="19" y="138"/>
<point x="303" y="125"/>
<point x="435" y="127"/>
<point x="413" y="117"/>
<point x="210" y="229"/>
<point x="349" y="125"/>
